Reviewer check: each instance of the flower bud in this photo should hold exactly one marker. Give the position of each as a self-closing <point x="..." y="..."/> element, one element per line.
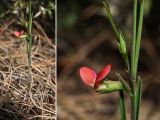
<point x="109" y="86"/>
<point x="122" y="45"/>
<point x="23" y="36"/>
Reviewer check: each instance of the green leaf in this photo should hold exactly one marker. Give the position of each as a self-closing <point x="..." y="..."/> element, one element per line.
<point x="109" y="15"/>
<point x="124" y="84"/>
<point x="24" y="22"/>
<point x="30" y="18"/>
<point x="138" y="96"/>
<point x="119" y="35"/>
<point x="139" y="33"/>
<point x="122" y="105"/>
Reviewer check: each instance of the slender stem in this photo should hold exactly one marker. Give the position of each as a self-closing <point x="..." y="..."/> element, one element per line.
<point x="118" y="33"/>
<point x="133" y="104"/>
<point x="138" y="96"/>
<point x="29" y="42"/>
<point x="139" y="34"/>
<point x="109" y="15"/>
<point x="126" y="61"/>
<point x="132" y="68"/>
<point x="133" y="60"/>
<point x="133" y="73"/>
<point x="122" y="105"/>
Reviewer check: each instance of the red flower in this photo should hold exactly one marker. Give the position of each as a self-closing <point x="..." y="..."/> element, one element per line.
<point x="90" y="77"/>
<point x="18" y="33"/>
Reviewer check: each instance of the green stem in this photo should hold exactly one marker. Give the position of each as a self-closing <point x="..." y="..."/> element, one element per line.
<point x="140" y="24"/>
<point x="122" y="105"/>
<point x="118" y="33"/>
<point x="138" y="96"/>
<point x="133" y="60"/>
<point x="29" y="44"/>
<point x="126" y="61"/>
<point x="133" y="73"/>
<point x="133" y="103"/>
<point x="109" y="15"/>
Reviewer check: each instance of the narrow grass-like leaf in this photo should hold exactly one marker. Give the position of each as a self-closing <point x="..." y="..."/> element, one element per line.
<point x="30" y="17"/>
<point x="135" y="99"/>
<point x="29" y="44"/>
<point x="109" y="15"/>
<point x="138" y="41"/>
<point x="134" y="34"/>
<point x="138" y="96"/>
<point x="29" y="38"/>
<point x="116" y="30"/>
<point x="119" y="35"/>
<point x="122" y="105"/>
<point x="124" y="84"/>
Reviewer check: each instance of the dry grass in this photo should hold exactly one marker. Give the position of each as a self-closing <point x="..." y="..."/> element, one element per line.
<point x="16" y="102"/>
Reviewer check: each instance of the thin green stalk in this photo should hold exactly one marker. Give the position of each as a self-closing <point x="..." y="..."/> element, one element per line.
<point x="133" y="60"/>
<point x="139" y="33"/>
<point x="30" y="27"/>
<point x="135" y="94"/>
<point x="138" y="97"/>
<point x="109" y="15"/>
<point x="135" y="57"/>
<point x="30" y="31"/>
<point x="29" y="45"/>
<point x="122" y="105"/>
<point x="133" y="73"/>
<point x="119" y="35"/>
<point x="133" y="105"/>
<point x="126" y="61"/>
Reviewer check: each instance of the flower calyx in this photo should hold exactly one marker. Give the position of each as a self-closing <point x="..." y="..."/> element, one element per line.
<point x="109" y="86"/>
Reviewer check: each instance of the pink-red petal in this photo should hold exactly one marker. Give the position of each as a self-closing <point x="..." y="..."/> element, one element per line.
<point x="88" y="76"/>
<point x="103" y="73"/>
<point x="18" y="33"/>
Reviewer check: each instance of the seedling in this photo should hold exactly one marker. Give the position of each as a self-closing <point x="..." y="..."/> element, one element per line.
<point x="28" y="37"/>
